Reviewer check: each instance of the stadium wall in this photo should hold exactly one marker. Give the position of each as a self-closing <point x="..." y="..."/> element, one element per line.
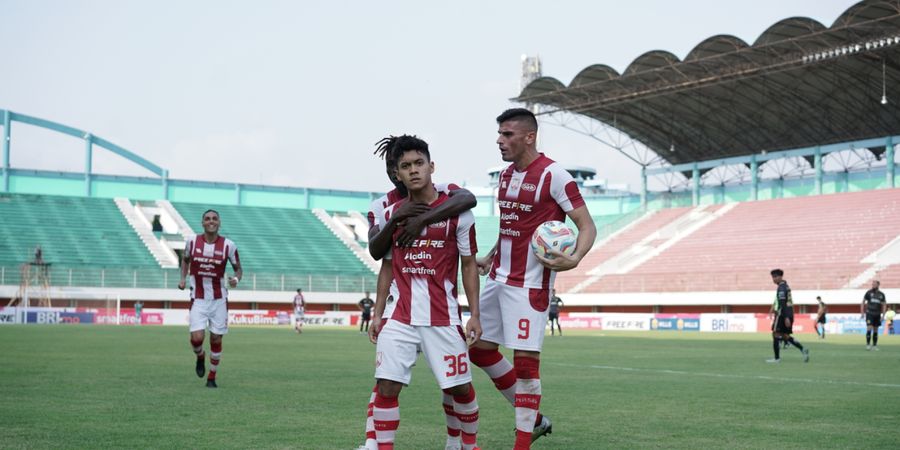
<point x="188" y="191"/>
<point x="713" y="323"/>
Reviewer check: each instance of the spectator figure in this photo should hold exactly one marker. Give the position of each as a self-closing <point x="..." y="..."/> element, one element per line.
<point x="38" y="256"/>
<point x="156" y="226"/>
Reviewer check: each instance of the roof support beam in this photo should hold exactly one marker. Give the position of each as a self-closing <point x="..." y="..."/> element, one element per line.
<point x="6" y="122"/>
<point x="889" y="157"/>
<point x="762" y="157"/>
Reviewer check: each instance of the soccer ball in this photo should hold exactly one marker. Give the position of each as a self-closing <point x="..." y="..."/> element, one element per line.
<point x="553" y="234"/>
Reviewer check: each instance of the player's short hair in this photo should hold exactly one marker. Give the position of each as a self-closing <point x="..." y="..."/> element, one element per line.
<point x="777" y="273"/>
<point x="299" y="289"/>
<point x="818" y="298"/>
<point x="407" y="143"/>
<point x="519" y="115"/>
<point x="209" y="211"/>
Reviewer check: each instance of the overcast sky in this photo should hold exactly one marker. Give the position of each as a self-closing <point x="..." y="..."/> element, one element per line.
<point x="296" y="93"/>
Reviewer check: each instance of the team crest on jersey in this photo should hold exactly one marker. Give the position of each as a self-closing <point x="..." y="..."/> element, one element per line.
<point x="514" y="184"/>
<point x="503" y="185"/>
<point x="378" y="357"/>
<point x="529" y="187"/>
<point x="440" y="224"/>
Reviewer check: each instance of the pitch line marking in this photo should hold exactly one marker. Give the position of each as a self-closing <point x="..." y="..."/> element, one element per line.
<point x="725" y="375"/>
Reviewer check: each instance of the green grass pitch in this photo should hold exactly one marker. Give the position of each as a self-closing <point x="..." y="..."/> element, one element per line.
<point x="135" y="387"/>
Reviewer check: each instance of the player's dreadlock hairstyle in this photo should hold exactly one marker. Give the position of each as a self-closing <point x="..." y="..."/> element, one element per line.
<point x="383" y="151"/>
<point x="407" y="143"/>
<point x="383" y="147"/>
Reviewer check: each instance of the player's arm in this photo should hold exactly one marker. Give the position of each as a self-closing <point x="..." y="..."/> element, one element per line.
<point x="238" y="270"/>
<point x="460" y="201"/>
<point x="185" y="264"/>
<point x="381" y="238"/>
<point x="587" y="233"/>
<point x="862" y="306"/>
<point x="471" y="285"/>
<point x="484" y="263"/>
<point x="382" y="290"/>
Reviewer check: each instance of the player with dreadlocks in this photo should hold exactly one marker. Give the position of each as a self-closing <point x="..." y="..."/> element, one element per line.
<point x="411" y="217"/>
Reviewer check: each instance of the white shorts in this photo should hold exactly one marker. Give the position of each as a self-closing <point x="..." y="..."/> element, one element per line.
<point x="212" y="312"/>
<point x="515" y="317"/>
<point x="444" y="349"/>
<point x="298" y="315"/>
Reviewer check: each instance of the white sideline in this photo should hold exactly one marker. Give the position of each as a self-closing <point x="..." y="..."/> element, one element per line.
<point x="724" y="375"/>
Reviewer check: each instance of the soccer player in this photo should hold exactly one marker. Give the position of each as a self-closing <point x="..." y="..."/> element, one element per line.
<point x="820" y="318"/>
<point x="410" y="217"/>
<point x="889" y="321"/>
<point x="426" y="311"/>
<point x="299" y="311"/>
<point x="783" y="313"/>
<point x="516" y="295"/>
<point x="138" y="309"/>
<point x="873" y="308"/>
<point x="555" y="304"/>
<point x="365" y="305"/>
<point x="205" y="258"/>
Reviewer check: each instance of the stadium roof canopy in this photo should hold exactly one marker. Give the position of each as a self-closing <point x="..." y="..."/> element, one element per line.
<point x="800" y="84"/>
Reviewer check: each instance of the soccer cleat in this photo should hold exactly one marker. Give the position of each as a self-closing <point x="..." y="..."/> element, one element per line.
<point x="774" y="360"/>
<point x="875" y="347"/>
<point x="211" y="384"/>
<point x="201" y="367"/>
<point x="868" y="347"/>
<point x="805" y="355"/>
<point x="545" y="427"/>
<point x="453" y="444"/>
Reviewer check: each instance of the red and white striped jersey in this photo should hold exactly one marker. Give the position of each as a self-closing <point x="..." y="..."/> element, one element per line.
<point x="426" y="273"/>
<point x="544" y="191"/>
<point x="377" y="207"/>
<point x="299" y="303"/>
<point x="207" y="269"/>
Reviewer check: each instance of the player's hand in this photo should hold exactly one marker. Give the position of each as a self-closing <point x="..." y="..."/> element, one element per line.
<point x="181" y="285"/>
<point x="484" y="264"/>
<point x="374" y="329"/>
<point x="473" y="331"/>
<point x="233" y="281"/>
<point x="410" y="209"/>
<point x="560" y="261"/>
<point x="411" y="230"/>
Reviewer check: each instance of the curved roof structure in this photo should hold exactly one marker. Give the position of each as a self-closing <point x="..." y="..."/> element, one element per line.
<point x="800" y="84"/>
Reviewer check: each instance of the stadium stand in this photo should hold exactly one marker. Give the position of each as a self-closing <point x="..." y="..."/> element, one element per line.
<point x="614" y="244"/>
<point x="74" y="233"/>
<point x="889" y="276"/>
<point x="819" y="242"/>
<point x="281" y="240"/>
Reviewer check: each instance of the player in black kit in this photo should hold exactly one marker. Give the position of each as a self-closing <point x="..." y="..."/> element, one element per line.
<point x="783" y="310"/>
<point x="873" y="307"/>
<point x="365" y="305"/>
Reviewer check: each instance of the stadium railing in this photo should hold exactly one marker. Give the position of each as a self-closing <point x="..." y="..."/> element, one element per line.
<point x="156" y="278"/>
